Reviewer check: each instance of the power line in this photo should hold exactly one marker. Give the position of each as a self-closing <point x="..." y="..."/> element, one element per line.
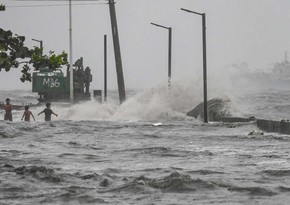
<point x="59" y="0"/>
<point x="51" y="5"/>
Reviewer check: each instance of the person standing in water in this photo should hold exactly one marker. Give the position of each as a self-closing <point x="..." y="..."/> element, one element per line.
<point x="26" y="114"/>
<point x="47" y="112"/>
<point x="8" y="110"/>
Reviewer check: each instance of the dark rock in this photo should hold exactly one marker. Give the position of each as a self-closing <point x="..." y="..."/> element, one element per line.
<point x="216" y="108"/>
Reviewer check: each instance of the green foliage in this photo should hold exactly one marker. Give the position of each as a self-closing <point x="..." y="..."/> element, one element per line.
<point x="12" y="50"/>
<point x="2" y="7"/>
<point x="51" y="61"/>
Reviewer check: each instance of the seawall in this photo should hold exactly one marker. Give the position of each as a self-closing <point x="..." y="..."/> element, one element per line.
<point x="281" y="127"/>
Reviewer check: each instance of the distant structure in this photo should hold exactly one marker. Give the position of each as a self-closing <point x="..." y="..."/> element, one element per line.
<point x="281" y="70"/>
<point x="54" y="86"/>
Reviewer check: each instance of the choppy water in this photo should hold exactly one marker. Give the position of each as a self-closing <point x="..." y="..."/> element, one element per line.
<point x="110" y="154"/>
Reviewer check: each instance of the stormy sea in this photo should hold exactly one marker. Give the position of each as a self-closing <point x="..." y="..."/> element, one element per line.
<point x="145" y="151"/>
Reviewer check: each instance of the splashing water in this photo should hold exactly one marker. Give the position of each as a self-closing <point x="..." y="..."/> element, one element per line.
<point x="156" y="104"/>
<point x="161" y="103"/>
<point x="123" y="159"/>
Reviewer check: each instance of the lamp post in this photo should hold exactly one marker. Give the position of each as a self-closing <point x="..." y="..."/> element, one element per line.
<point x="70" y="52"/>
<point x="169" y="50"/>
<point x="40" y="42"/>
<point x="105" y="68"/>
<point x="71" y="79"/>
<point x="204" y="61"/>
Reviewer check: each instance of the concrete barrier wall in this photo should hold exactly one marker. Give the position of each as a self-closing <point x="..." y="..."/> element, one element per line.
<point x="233" y="119"/>
<point x="282" y="127"/>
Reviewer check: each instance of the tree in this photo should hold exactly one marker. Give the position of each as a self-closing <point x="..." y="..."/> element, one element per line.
<point x="2" y="7"/>
<point x="13" y="52"/>
<point x="38" y="61"/>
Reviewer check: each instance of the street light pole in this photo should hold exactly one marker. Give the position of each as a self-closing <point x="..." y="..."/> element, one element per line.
<point x="204" y="67"/>
<point x="105" y="68"/>
<point x="40" y="42"/>
<point x="169" y="55"/>
<point x="204" y="62"/>
<point x="169" y="50"/>
<point x="71" y="94"/>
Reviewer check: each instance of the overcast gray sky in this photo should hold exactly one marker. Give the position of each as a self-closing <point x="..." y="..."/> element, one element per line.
<point x="256" y="32"/>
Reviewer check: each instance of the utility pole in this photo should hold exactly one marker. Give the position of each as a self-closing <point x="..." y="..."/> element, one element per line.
<point x="105" y="68"/>
<point x="117" y="51"/>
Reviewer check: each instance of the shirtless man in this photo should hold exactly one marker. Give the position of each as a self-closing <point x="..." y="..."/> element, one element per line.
<point x="8" y="110"/>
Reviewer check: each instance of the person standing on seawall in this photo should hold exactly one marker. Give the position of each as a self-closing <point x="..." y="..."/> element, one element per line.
<point x="26" y="114"/>
<point x="8" y="110"/>
<point x="47" y="112"/>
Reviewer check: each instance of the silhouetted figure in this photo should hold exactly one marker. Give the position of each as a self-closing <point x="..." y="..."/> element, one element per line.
<point x="88" y="79"/>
